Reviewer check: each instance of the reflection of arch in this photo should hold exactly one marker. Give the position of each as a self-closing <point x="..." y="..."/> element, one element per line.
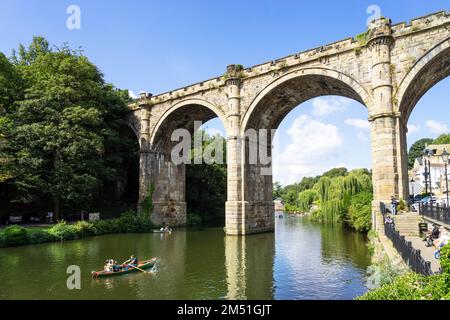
<point x="431" y="68"/>
<point x="285" y="93"/>
<point x="183" y="115"/>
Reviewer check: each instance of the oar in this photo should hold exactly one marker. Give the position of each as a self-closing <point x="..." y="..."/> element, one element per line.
<point x="138" y="268"/>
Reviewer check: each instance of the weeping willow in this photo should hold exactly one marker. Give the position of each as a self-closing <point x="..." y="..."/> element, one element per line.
<point x="333" y="194"/>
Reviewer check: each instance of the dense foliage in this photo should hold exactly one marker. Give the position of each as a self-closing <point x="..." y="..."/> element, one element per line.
<point x="416" y="150"/>
<point x="412" y="286"/>
<point x="61" y="128"/>
<point x="207" y="185"/>
<point x="442" y="139"/>
<point x="128" y="222"/>
<point x="338" y="195"/>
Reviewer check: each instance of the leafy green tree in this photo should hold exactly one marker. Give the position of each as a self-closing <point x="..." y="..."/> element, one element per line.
<point x="416" y="150"/>
<point x="360" y="211"/>
<point x="206" y="190"/>
<point x="442" y="139"/>
<point x="277" y="190"/>
<point x="62" y="139"/>
<point x="336" y="172"/>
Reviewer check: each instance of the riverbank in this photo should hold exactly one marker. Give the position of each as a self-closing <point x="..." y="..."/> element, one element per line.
<point x="128" y="222"/>
<point x="389" y="278"/>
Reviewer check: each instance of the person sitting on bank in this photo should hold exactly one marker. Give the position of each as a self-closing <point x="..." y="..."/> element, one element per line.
<point x="388" y="220"/>
<point x="433" y="235"/>
<point x="441" y="242"/>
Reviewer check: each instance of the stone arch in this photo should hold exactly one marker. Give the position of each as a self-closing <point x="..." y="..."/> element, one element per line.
<point x="182" y="115"/>
<point x="301" y="85"/>
<point x="134" y="123"/>
<point x="267" y="111"/>
<point x="427" y="71"/>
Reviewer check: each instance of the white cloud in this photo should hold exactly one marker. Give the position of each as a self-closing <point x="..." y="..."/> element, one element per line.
<point x="132" y="94"/>
<point x="312" y="151"/>
<point x="437" y="127"/>
<point x="412" y="128"/>
<point x="358" y="123"/>
<point x="329" y="105"/>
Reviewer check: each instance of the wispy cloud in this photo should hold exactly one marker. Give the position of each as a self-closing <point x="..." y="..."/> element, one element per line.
<point x="358" y="123"/>
<point x="412" y="128"/>
<point x="436" y="127"/>
<point x="329" y="105"/>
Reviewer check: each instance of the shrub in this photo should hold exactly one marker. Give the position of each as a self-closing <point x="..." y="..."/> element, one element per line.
<point x="405" y="287"/>
<point x="41" y="237"/>
<point x="63" y="231"/>
<point x="15" y="235"/>
<point x="194" y="219"/>
<point x="105" y="227"/>
<point x="84" y="228"/>
<point x="401" y="205"/>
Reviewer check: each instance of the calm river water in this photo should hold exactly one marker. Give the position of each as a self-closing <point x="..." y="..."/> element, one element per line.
<point x="301" y="260"/>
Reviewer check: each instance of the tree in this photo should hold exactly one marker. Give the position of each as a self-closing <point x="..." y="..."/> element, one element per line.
<point x="360" y="211"/>
<point x="206" y="190"/>
<point x="416" y="150"/>
<point x="442" y="139"/>
<point x="277" y="190"/>
<point x="62" y="139"/>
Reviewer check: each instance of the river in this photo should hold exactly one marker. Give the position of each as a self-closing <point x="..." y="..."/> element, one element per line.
<point x="301" y="260"/>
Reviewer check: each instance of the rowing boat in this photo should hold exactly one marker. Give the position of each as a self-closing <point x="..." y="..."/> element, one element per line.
<point x="125" y="269"/>
<point x="161" y="231"/>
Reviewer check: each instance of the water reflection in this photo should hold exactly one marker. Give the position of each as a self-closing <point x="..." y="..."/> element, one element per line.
<point x="249" y="264"/>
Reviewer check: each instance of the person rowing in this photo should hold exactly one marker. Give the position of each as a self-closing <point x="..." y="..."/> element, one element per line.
<point x="133" y="261"/>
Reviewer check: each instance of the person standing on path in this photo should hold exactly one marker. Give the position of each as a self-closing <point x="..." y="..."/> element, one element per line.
<point x="394" y="205"/>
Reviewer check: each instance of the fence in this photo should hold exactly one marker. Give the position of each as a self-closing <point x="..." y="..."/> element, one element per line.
<point x="435" y="212"/>
<point x="411" y="256"/>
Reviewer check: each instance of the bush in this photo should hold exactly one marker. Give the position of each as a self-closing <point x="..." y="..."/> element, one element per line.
<point x="15" y="235"/>
<point x="401" y="205"/>
<point x="412" y="286"/>
<point x="194" y="219"/>
<point x="405" y="287"/>
<point x="41" y="237"/>
<point x="84" y="228"/>
<point x="63" y="231"/>
<point x="105" y="227"/>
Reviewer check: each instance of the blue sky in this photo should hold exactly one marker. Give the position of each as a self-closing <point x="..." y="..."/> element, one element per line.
<point x="162" y="45"/>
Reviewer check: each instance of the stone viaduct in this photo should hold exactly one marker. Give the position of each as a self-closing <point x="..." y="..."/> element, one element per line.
<point x="387" y="69"/>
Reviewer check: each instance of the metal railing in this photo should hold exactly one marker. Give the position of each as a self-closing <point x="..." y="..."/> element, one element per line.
<point x="435" y="212"/>
<point x="411" y="256"/>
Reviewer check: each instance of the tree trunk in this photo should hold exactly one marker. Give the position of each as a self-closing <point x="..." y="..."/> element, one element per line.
<point x="56" y="209"/>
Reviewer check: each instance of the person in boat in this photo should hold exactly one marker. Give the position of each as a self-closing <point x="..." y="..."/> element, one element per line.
<point x="109" y="265"/>
<point x="133" y="261"/>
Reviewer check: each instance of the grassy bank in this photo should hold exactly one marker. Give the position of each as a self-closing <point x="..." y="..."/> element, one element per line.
<point x="128" y="222"/>
<point x="412" y="286"/>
